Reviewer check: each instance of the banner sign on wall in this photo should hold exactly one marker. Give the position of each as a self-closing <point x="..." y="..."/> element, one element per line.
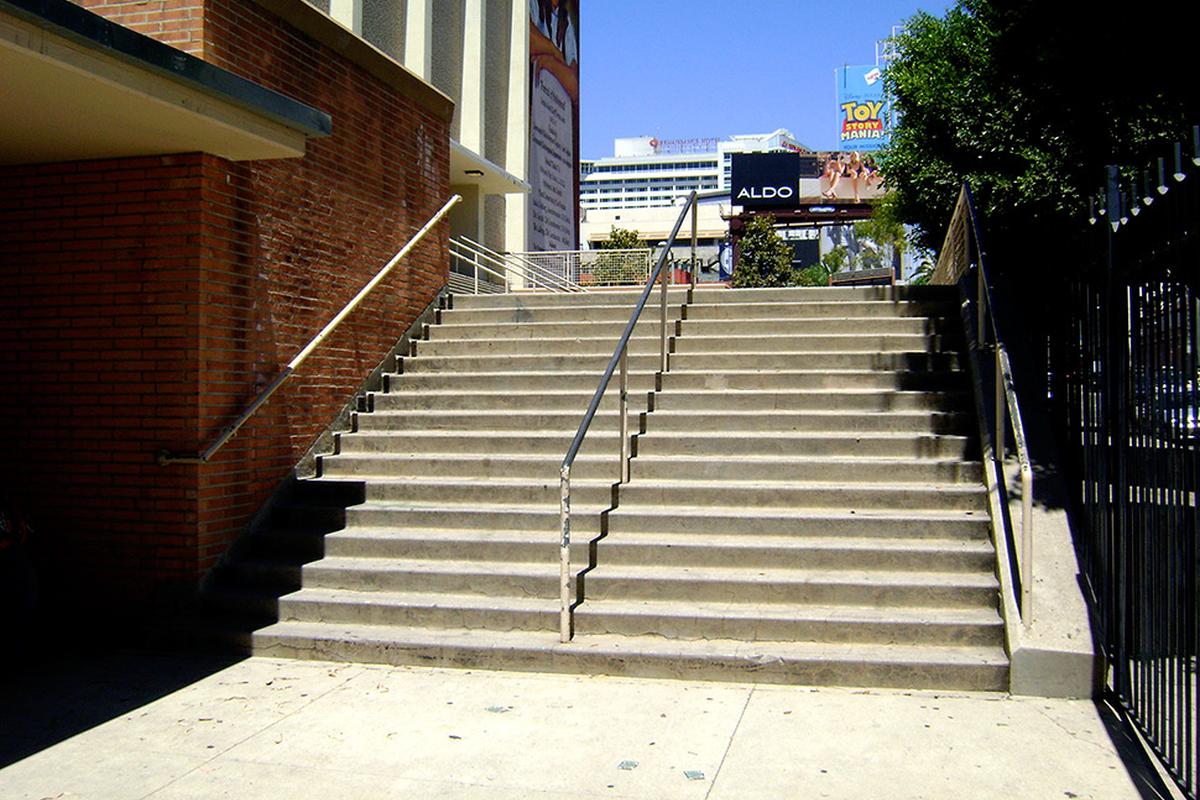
<point x="862" y="109"/>
<point x="553" y="222"/>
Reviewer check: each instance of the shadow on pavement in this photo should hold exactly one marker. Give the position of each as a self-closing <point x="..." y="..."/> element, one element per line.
<point x="50" y="698"/>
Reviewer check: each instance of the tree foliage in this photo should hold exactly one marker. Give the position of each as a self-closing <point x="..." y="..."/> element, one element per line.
<point x="622" y="239"/>
<point x="1028" y="101"/>
<point x="614" y="269"/>
<point x="765" y="259"/>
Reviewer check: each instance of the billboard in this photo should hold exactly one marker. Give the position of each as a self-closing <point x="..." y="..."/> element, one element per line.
<point x="862" y="108"/>
<point x="764" y="180"/>
<point x="553" y="222"/>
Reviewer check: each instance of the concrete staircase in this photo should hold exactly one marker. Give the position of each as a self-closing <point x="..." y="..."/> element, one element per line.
<point x="802" y="505"/>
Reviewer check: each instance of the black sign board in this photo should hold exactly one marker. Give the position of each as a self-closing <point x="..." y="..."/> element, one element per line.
<point x="765" y="180"/>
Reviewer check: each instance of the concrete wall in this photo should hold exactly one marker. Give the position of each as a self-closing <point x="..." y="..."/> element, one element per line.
<point x="145" y="301"/>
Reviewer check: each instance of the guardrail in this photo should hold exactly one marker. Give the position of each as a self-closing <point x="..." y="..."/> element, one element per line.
<point x="166" y="457"/>
<point x="955" y="260"/>
<point x="482" y="259"/>
<point x="620" y="358"/>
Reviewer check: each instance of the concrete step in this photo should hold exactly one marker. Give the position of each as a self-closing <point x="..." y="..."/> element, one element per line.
<point x="648" y="325"/>
<point x="789" y="622"/>
<point x="805" y="468"/>
<point x="564" y="345"/>
<point x="692" y="362"/>
<point x="474" y="443"/>
<point x="771" y="360"/>
<point x="763" y="339"/>
<point x="768" y="380"/>
<point x="763" y="494"/>
<point x="420" y="609"/>
<point x="960" y="554"/>
<point x="774" y="444"/>
<point x="804" y="326"/>
<point x="574" y="300"/>
<point x="482" y="465"/>
<point x="561" y="313"/>
<point x="779" y="622"/>
<point x="735" y="585"/>
<point x="588" y="520"/>
<point x="916" y="421"/>
<point x="480" y="578"/>
<point x="475" y="420"/>
<point x="595" y="363"/>
<point x="749" y="309"/>
<point x="495" y="401"/>
<point x="829" y="294"/>
<point x="966" y="668"/>
<point x="485" y="464"/>
<point x="581" y="380"/>
<point x="842" y="400"/>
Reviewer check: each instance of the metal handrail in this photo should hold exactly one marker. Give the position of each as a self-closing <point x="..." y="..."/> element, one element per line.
<point x="953" y="262"/>
<point x="620" y="358"/>
<point x="475" y="251"/>
<point x="228" y="432"/>
<point x="530" y="267"/>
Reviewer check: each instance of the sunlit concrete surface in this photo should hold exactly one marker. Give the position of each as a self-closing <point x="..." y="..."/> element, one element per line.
<point x="152" y="726"/>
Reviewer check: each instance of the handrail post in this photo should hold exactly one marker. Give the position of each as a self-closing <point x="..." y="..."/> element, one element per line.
<point x="980" y="304"/>
<point x="1027" y="546"/>
<point x="475" y="261"/>
<point x="695" y="266"/>
<point x="564" y="556"/>
<point x="998" y="440"/>
<point x="662" y="324"/>
<point x="624" y="403"/>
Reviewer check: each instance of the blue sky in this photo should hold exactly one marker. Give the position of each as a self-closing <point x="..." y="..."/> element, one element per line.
<point x="681" y="69"/>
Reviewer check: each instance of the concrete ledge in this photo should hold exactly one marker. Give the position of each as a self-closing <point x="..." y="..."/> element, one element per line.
<point x="1057" y="654"/>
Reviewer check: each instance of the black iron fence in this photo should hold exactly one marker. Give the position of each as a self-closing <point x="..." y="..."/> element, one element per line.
<point x="1124" y="381"/>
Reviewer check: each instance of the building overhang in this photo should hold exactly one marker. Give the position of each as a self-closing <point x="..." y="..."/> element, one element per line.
<point x="468" y="168"/>
<point x="77" y="86"/>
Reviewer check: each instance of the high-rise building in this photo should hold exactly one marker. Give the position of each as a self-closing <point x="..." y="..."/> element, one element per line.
<point x="645" y="172"/>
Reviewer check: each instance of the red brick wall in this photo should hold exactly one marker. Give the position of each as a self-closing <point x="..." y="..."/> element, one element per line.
<point x="98" y="345"/>
<point x="175" y="22"/>
<point x="143" y="302"/>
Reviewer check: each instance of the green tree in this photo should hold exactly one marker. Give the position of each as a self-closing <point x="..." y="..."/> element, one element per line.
<point x="1028" y="101"/>
<point x="622" y="239"/>
<point x="765" y="259"/>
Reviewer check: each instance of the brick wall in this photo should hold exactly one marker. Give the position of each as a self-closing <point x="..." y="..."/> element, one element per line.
<point x="143" y="302"/>
<point x="99" y="349"/>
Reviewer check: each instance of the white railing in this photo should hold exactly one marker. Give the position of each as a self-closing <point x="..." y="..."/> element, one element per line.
<point x="482" y="270"/>
<point x="595" y="268"/>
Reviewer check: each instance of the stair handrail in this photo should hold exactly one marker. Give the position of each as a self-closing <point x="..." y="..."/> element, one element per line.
<point x="474" y="262"/>
<point x="166" y="457"/>
<point x="620" y="358"/>
<point x="954" y="261"/>
<point x="528" y="267"/>
<point x="475" y="251"/>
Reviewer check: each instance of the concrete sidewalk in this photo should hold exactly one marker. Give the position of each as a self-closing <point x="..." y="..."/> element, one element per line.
<point x="152" y="726"/>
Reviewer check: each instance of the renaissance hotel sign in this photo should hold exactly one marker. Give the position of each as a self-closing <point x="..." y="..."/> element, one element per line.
<point x="765" y="180"/>
<point x="862" y="117"/>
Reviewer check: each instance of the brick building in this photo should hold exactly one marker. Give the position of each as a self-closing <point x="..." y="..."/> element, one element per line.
<point x="189" y="190"/>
